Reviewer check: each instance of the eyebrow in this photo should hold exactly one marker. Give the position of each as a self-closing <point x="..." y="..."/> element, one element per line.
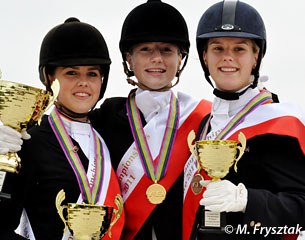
<point x="89" y="68"/>
<point x="219" y="42"/>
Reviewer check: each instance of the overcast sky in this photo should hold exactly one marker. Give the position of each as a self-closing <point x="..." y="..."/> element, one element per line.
<point x="23" y="24"/>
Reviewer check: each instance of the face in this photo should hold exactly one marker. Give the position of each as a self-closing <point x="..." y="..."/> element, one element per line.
<point x="230" y="62"/>
<point x="79" y="87"/>
<point x="155" y="64"/>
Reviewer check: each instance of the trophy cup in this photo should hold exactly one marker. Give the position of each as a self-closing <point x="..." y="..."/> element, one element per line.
<point x="21" y="106"/>
<point x="215" y="157"/>
<point x="88" y="221"/>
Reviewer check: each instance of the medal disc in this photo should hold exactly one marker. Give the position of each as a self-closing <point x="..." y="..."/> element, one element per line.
<point x="156" y="193"/>
<point x="196" y="186"/>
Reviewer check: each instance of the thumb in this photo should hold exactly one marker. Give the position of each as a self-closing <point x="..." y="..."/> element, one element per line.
<point x="204" y="183"/>
<point x="25" y="135"/>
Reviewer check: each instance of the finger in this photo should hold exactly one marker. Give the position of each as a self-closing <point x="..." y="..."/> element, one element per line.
<point x="204" y="183"/>
<point x="9" y="139"/>
<point x="4" y="150"/>
<point x="9" y="131"/>
<point x="215" y="208"/>
<point x="212" y="206"/>
<point x="9" y="147"/>
<point x="25" y="135"/>
<point x="211" y="201"/>
<point x="211" y="192"/>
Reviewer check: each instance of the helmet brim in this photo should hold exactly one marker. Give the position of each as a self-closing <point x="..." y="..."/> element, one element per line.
<point x="79" y="62"/>
<point x="228" y="34"/>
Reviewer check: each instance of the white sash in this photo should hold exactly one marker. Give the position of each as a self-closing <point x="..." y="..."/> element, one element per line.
<point x="261" y="114"/>
<point x="130" y="170"/>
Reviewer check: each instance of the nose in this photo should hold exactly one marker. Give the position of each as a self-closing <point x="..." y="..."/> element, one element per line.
<point x="156" y="55"/>
<point x="82" y="82"/>
<point x="228" y="57"/>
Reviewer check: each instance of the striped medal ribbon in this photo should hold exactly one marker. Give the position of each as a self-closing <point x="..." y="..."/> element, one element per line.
<point x="261" y="98"/>
<point x="155" y="193"/>
<point x="90" y="194"/>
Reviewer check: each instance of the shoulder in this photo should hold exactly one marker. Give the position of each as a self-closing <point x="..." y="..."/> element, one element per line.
<point x="111" y="104"/>
<point x="186" y="100"/>
<point x="41" y="127"/>
<point x="109" y="110"/>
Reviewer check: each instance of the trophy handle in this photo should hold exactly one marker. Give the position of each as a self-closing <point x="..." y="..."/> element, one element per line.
<point x="119" y="203"/>
<point x="190" y="139"/>
<point x="59" y="199"/>
<point x="10" y="162"/>
<point x="242" y="140"/>
<point x="55" y="87"/>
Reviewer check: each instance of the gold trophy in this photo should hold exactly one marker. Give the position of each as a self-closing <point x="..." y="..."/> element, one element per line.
<point x="215" y="157"/>
<point x="88" y="221"/>
<point x="21" y="106"/>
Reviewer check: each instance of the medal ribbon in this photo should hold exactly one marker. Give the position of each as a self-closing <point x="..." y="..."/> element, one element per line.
<point x="261" y="98"/>
<point x="155" y="171"/>
<point x="90" y="194"/>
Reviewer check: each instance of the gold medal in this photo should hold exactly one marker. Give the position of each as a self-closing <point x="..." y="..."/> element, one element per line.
<point x="156" y="193"/>
<point x="196" y="186"/>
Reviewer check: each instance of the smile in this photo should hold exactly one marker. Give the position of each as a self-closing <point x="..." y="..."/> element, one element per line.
<point x="223" y="69"/>
<point x="156" y="70"/>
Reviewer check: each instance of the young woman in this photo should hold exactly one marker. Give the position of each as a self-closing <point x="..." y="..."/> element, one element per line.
<point x="64" y="151"/>
<point x="268" y="190"/>
<point x="146" y="132"/>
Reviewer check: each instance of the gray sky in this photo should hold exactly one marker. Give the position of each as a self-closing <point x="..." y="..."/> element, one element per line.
<point x="23" y="24"/>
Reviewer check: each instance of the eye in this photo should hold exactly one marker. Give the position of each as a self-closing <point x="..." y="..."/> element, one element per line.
<point x="145" y="49"/>
<point x="94" y="74"/>
<point x="239" y="49"/>
<point x="71" y="72"/>
<point x="217" y="49"/>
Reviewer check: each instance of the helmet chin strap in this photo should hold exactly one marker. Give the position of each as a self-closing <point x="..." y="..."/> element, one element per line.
<point x="130" y="73"/>
<point x="144" y="87"/>
<point x="69" y="113"/>
<point x="230" y="96"/>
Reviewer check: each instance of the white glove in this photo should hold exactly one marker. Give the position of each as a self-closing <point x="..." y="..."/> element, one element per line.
<point x="224" y="196"/>
<point x="11" y="140"/>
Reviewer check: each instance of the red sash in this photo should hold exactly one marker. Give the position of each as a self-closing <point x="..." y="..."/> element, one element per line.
<point x="285" y="125"/>
<point x="137" y="207"/>
<point x="112" y="192"/>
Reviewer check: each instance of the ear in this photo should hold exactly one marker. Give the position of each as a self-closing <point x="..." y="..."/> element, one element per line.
<point x="129" y="60"/>
<point x="255" y="60"/>
<point x="51" y="78"/>
<point x="179" y="60"/>
<point x="204" y="57"/>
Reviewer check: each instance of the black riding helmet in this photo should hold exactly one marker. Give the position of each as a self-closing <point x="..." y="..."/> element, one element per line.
<point x="231" y="19"/>
<point x="154" y="21"/>
<point x="70" y="44"/>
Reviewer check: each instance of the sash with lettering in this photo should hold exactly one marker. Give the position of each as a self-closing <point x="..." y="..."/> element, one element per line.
<point x="98" y="185"/>
<point x="277" y="118"/>
<point x="131" y="173"/>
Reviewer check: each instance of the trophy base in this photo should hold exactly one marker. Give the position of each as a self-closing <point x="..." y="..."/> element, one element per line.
<point x="5" y="186"/>
<point x="212" y="225"/>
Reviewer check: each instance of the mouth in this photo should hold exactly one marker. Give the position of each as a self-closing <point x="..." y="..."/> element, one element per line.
<point x="155" y="70"/>
<point x="228" y="69"/>
<point x="81" y="94"/>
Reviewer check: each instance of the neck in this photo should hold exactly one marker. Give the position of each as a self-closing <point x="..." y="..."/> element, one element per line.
<point x="79" y="117"/>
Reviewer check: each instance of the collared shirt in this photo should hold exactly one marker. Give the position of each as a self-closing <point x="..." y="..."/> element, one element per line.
<point x="152" y="103"/>
<point x="224" y="110"/>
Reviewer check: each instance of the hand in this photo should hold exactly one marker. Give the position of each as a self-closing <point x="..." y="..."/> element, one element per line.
<point x="224" y="196"/>
<point x="11" y="140"/>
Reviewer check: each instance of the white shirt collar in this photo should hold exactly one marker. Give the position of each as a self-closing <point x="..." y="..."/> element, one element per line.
<point x="231" y="107"/>
<point x="151" y="102"/>
<point x="224" y="110"/>
<point x="74" y="127"/>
